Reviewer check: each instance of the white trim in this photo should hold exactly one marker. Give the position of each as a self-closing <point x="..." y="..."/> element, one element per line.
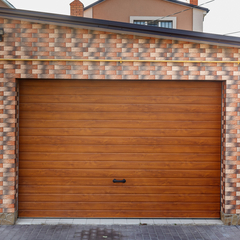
<point x="146" y="18"/>
<point x="198" y="17"/>
<point x="88" y="13"/>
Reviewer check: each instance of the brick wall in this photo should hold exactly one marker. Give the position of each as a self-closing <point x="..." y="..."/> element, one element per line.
<point x="33" y="40"/>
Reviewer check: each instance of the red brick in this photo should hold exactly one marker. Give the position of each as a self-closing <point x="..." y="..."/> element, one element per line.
<point x="9" y="161"/>
<point x="11" y="210"/>
<point x="11" y="134"/>
<point x="43" y="35"/>
<point x="111" y="72"/>
<point x="26" y="44"/>
<point x="9" y="70"/>
<point x="10" y="152"/>
<point x="233" y="211"/>
<point x="31" y="30"/>
<point x="11" y="143"/>
<point x="11" y="179"/>
<point x="9" y="206"/>
<point x="151" y="77"/>
<point x="10" y="25"/>
<point x="26" y="35"/>
<point x="8" y="197"/>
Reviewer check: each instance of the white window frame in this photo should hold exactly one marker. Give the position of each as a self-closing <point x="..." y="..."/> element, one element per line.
<point x="147" y="18"/>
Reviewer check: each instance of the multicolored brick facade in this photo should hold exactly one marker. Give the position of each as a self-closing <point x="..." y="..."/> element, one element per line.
<point x="37" y="41"/>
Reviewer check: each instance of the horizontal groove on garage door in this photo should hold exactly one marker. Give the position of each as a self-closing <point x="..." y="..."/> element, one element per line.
<point x="76" y="136"/>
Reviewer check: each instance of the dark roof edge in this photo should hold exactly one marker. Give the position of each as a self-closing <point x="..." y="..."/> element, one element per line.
<point x="119" y="27"/>
<point x="173" y="1"/>
<point x="189" y="5"/>
<point x="93" y="4"/>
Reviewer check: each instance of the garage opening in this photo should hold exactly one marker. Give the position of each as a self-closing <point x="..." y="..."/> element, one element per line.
<point x="119" y="149"/>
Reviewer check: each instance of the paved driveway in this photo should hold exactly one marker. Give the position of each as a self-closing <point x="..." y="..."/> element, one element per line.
<point x="120" y="232"/>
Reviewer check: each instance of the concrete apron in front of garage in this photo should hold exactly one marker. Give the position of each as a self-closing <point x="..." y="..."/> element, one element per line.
<point x="118" y="221"/>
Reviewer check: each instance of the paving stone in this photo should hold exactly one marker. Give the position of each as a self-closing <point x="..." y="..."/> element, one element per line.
<point x="168" y="237"/>
<point x="36" y="230"/>
<point x="119" y="232"/>
<point x="50" y="232"/>
<point x="27" y="233"/>
<point x="43" y="232"/>
<point x="19" y="233"/>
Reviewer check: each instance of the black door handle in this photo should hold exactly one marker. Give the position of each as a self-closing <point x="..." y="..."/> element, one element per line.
<point x="119" y="181"/>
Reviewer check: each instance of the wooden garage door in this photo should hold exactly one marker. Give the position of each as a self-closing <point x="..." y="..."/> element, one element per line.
<point x="162" y="137"/>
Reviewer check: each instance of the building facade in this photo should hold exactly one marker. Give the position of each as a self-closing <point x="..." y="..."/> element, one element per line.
<point x="159" y="13"/>
<point x="94" y="113"/>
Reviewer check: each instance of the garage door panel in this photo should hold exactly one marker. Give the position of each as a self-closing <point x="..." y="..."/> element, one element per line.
<point x="119" y="214"/>
<point x="121" y="91"/>
<point x="73" y="140"/>
<point x="77" y="107"/>
<point x="202" y="100"/>
<point x="118" y="83"/>
<point x="163" y="137"/>
<point x="119" y="148"/>
<point x="120" y="173"/>
<point x="213" y="198"/>
<point x="68" y="131"/>
<point x="88" y="125"/>
<point x="120" y="116"/>
<point x="119" y="206"/>
<point x="177" y="165"/>
<point x="186" y="157"/>
<point x="119" y="189"/>
<point x="76" y="181"/>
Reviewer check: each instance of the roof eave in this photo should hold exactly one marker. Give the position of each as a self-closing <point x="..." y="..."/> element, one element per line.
<point x="189" y="5"/>
<point x="119" y="27"/>
<point x="172" y="1"/>
<point x="93" y="4"/>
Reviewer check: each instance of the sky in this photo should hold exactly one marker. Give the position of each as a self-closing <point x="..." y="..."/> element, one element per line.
<point x="223" y="18"/>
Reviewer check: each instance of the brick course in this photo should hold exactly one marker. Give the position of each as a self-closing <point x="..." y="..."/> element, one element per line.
<point x="31" y="40"/>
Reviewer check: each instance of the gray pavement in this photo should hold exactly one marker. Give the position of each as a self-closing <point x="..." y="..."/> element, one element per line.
<point x="119" y="232"/>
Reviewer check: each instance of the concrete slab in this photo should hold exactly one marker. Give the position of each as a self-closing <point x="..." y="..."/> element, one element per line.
<point x="118" y="221"/>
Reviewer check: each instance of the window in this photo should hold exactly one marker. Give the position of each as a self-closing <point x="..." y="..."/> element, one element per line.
<point x="167" y="24"/>
<point x="155" y="23"/>
<point x="164" y="22"/>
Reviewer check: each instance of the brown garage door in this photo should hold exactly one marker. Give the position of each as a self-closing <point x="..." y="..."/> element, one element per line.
<point x="162" y="137"/>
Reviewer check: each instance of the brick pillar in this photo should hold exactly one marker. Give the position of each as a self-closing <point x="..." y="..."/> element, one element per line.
<point x="194" y="2"/>
<point x="77" y="8"/>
